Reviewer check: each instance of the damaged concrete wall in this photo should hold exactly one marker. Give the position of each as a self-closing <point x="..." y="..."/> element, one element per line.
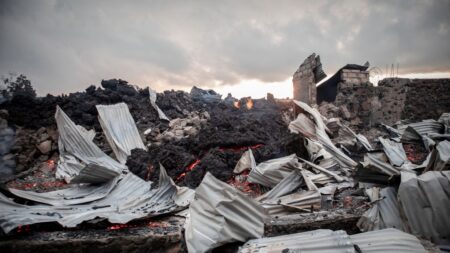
<point x="426" y="98"/>
<point x="305" y="78"/>
<point x="392" y="100"/>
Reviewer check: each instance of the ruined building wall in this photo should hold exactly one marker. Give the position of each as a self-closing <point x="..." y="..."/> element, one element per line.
<point x="426" y="98"/>
<point x="344" y="78"/>
<point x="305" y="78"/>
<point x="394" y="99"/>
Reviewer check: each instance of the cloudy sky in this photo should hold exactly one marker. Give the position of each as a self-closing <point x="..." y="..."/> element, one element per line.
<point x="243" y="47"/>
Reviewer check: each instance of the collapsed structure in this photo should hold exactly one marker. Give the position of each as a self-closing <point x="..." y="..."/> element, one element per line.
<point x="305" y="79"/>
<point x="264" y="176"/>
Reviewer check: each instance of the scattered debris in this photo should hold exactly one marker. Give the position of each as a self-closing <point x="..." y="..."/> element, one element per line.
<point x="130" y="198"/>
<point x="253" y="166"/>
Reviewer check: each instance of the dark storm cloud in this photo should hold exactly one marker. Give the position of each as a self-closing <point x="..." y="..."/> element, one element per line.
<point x="66" y="45"/>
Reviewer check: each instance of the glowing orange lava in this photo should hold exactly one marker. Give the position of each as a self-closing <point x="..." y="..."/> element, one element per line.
<point x="188" y="168"/>
<point x="249" y="103"/>
<point x="240" y="182"/>
<point x="237" y="104"/>
<point x="51" y="164"/>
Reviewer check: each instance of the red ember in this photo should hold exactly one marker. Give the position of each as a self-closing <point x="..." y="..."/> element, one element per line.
<point x="190" y="167"/>
<point x="240" y="182"/>
<point x="249" y="103"/>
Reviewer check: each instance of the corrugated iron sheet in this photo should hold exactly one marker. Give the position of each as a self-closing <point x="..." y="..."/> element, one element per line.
<point x="220" y="214"/>
<point x="384" y="213"/>
<point x="303" y="125"/>
<point x="324" y="139"/>
<point x="394" y="151"/>
<point x="290" y="183"/>
<point x="320" y="241"/>
<point x="131" y="198"/>
<point x="387" y="240"/>
<point x="323" y="170"/>
<point x="247" y="161"/>
<point x="271" y="172"/>
<point x="425" y="202"/>
<point x="78" y="151"/>
<point x="76" y="194"/>
<point x="414" y="131"/>
<point x="377" y="162"/>
<point x="328" y="241"/>
<point x="120" y="130"/>
<point x="440" y="157"/>
<point x="359" y="137"/>
<point x="318" y="155"/>
<point x="445" y="119"/>
<point x="155" y="106"/>
<point x="303" y="200"/>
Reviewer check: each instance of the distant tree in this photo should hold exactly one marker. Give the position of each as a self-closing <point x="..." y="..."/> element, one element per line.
<point x="19" y="87"/>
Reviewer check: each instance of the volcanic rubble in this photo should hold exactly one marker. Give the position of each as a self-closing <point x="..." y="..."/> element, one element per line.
<point x="207" y="136"/>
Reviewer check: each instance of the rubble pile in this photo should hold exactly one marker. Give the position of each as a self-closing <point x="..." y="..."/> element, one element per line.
<point x="179" y="128"/>
<point x="34" y="122"/>
<point x="258" y="174"/>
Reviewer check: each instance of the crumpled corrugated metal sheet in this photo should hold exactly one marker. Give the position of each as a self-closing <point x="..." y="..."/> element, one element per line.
<point x="445" y="119"/>
<point x="318" y="155"/>
<point x="76" y="194"/>
<point x="271" y="172"/>
<point x="425" y="202"/>
<point x="387" y="240"/>
<point x="220" y="214"/>
<point x="131" y="198"/>
<point x="394" y="151"/>
<point x="324" y="139"/>
<point x="393" y="133"/>
<point x="155" y="106"/>
<point x="320" y="241"/>
<point x="385" y="210"/>
<point x="414" y="131"/>
<point x="271" y="199"/>
<point x="78" y="152"/>
<point x="359" y="137"/>
<point x="184" y="196"/>
<point x="303" y="200"/>
<point x="440" y="157"/>
<point x="290" y="183"/>
<point x="328" y="241"/>
<point x="247" y="161"/>
<point x="323" y="170"/>
<point x="378" y="162"/>
<point x="120" y="130"/>
<point x="303" y="125"/>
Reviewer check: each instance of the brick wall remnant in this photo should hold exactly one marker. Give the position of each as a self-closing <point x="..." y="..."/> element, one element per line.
<point x="305" y="79"/>
<point x="349" y="76"/>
